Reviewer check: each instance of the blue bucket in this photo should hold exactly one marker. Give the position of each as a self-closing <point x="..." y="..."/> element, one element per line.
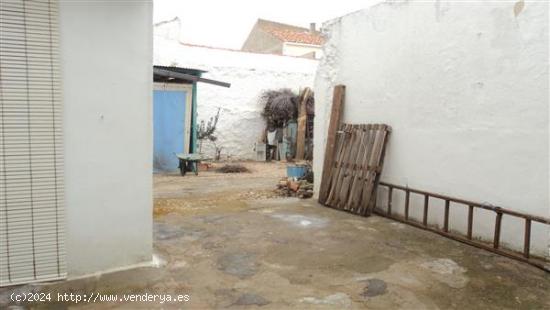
<point x="296" y="171"/>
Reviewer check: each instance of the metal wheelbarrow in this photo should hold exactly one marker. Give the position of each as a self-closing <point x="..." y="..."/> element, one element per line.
<point x="189" y="162"/>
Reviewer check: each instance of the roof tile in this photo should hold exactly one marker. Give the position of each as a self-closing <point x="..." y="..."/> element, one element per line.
<point x="305" y="37"/>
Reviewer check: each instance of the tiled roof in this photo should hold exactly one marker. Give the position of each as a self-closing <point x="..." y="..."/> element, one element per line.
<point x="290" y="33"/>
<point x="294" y="36"/>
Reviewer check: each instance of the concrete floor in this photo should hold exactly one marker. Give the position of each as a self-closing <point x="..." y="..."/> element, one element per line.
<point x="226" y="242"/>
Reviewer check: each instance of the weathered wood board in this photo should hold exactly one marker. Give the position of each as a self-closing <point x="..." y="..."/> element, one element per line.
<point x="354" y="172"/>
<point x="334" y="123"/>
<point x="302" y="120"/>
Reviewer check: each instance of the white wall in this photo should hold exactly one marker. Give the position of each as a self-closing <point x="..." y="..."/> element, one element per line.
<point x="168" y="29"/>
<point x="297" y="49"/>
<point x="240" y="124"/>
<point x="106" y="53"/>
<point x="465" y="88"/>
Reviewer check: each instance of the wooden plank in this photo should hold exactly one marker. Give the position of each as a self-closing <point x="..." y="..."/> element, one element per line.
<point x="372" y="132"/>
<point x="335" y="167"/>
<point x="302" y="122"/>
<point x="357" y="175"/>
<point x="343" y="194"/>
<point x="357" y="170"/>
<point x="335" y="117"/>
<point x="370" y="170"/>
<point x="375" y="169"/>
<point x="498" y="223"/>
<point x="386" y="134"/>
<point x="336" y="182"/>
<point x="446" y="219"/>
<point x="527" y="238"/>
<point x="470" y="221"/>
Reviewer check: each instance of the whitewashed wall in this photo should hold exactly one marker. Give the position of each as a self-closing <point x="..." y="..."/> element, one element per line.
<point x="106" y="58"/>
<point x="240" y="124"/>
<point x="465" y="87"/>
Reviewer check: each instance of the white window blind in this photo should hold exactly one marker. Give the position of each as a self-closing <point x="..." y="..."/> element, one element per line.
<point x="31" y="154"/>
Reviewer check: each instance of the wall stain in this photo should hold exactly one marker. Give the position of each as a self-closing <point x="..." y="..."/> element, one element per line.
<point x="440" y="10"/>
<point x="518" y="7"/>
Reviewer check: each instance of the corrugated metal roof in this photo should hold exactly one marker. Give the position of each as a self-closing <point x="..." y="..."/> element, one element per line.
<point x="182" y="75"/>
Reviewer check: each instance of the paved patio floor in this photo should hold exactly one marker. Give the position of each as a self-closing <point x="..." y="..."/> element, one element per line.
<point x="228" y="243"/>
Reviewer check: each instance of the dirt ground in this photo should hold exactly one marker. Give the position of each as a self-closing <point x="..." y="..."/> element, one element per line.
<point x="173" y="191"/>
<point x="228" y="242"/>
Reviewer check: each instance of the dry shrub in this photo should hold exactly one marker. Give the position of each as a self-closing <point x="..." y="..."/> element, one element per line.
<point x="280" y="106"/>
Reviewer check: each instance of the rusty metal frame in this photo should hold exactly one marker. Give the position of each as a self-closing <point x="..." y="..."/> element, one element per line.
<point x="524" y="256"/>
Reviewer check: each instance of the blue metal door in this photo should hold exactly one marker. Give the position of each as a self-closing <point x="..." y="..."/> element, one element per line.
<point x="168" y="128"/>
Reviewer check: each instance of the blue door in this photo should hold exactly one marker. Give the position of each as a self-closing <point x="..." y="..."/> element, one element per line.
<point x="168" y="128"/>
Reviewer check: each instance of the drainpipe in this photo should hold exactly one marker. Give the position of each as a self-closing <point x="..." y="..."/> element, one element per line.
<point x="194" y="116"/>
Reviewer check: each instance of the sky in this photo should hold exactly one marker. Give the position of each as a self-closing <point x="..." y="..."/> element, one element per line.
<point x="227" y="23"/>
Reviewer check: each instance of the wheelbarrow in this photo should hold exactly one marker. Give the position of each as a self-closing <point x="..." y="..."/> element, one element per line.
<point x="189" y="162"/>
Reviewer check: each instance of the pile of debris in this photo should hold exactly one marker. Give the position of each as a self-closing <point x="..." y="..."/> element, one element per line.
<point x="290" y="187"/>
<point x="232" y="168"/>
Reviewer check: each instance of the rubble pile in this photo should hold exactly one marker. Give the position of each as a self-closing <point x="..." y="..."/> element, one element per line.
<point x="289" y="187"/>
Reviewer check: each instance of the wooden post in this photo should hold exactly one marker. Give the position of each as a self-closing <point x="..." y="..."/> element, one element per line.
<point x="498" y="222"/>
<point x="447" y="207"/>
<point x="390" y="192"/>
<point x="302" y="122"/>
<point x="425" y="218"/>
<point x="334" y="123"/>
<point x="527" y="238"/>
<point x="470" y="221"/>
<point x="407" y="198"/>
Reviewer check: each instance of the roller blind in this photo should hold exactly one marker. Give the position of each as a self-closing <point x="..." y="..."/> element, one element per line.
<point x="31" y="154"/>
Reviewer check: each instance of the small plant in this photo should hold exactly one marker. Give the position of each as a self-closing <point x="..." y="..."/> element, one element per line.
<point x="206" y="131"/>
<point x="218" y="151"/>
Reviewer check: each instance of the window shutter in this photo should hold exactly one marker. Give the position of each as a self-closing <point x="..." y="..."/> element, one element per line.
<point x="31" y="153"/>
